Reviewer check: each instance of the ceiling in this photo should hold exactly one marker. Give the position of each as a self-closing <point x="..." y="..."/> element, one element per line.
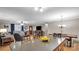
<point x="29" y="15"/>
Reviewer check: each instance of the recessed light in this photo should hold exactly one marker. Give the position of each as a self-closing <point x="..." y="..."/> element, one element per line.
<point x="41" y="10"/>
<point x="46" y="25"/>
<point x="36" y="8"/>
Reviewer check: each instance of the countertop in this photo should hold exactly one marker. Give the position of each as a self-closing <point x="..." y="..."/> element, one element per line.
<point x="36" y="45"/>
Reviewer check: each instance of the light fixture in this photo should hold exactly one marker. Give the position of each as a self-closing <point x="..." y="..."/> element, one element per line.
<point x="22" y="23"/>
<point x="3" y="30"/>
<point x="64" y="25"/>
<point x="36" y="8"/>
<point x="41" y="9"/>
<point x="46" y="25"/>
<point x="61" y="26"/>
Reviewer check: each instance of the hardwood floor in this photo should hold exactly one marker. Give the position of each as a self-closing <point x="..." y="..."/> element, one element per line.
<point x="73" y="48"/>
<point x="5" y="47"/>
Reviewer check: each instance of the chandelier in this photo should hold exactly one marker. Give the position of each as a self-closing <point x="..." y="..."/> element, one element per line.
<point x="41" y="9"/>
<point x="62" y="25"/>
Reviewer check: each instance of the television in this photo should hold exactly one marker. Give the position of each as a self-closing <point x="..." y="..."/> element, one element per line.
<point x="38" y="27"/>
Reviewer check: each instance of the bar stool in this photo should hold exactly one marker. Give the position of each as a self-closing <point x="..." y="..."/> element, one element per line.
<point x="68" y="41"/>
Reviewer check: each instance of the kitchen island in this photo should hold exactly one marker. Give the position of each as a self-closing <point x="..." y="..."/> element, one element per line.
<point x="37" y="45"/>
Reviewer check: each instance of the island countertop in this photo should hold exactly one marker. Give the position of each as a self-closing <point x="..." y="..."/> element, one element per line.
<point x="36" y="45"/>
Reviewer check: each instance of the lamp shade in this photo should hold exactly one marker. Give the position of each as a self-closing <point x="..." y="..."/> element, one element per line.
<point x="3" y="30"/>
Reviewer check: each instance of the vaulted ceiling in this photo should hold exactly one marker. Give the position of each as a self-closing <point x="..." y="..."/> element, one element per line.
<point x="29" y="15"/>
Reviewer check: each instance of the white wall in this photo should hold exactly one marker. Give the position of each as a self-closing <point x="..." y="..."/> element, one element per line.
<point x="72" y="27"/>
<point x="2" y="26"/>
<point x="17" y="27"/>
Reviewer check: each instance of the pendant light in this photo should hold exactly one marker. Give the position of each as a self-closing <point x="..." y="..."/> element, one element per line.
<point x="61" y="26"/>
